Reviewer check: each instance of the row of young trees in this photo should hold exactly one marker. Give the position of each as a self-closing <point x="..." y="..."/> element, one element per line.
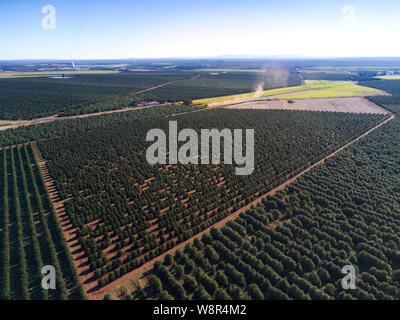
<point x="5" y="292"/>
<point x="31" y="235"/>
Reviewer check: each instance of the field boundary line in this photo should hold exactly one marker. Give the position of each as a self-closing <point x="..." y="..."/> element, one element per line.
<point x="157" y="86"/>
<point x="164" y="84"/>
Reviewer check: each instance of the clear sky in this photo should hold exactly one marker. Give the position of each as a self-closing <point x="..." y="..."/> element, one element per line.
<point x="108" y="29"/>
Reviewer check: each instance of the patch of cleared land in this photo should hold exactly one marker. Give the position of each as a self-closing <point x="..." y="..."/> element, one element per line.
<point x="353" y="105"/>
<point x="335" y="89"/>
<point x="310" y="89"/>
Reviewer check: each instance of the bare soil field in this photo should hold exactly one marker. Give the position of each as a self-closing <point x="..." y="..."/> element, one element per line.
<point x="353" y="105"/>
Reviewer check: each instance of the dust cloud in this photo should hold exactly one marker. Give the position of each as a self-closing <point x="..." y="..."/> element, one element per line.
<point x="271" y="77"/>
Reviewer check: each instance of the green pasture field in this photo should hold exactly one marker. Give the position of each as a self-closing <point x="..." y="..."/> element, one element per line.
<point x="333" y="89"/>
<point x="317" y="89"/>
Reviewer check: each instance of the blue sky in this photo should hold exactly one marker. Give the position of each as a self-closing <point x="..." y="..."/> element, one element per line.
<point x="99" y="29"/>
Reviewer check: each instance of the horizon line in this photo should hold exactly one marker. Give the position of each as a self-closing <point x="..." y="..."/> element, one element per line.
<point x="228" y="57"/>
